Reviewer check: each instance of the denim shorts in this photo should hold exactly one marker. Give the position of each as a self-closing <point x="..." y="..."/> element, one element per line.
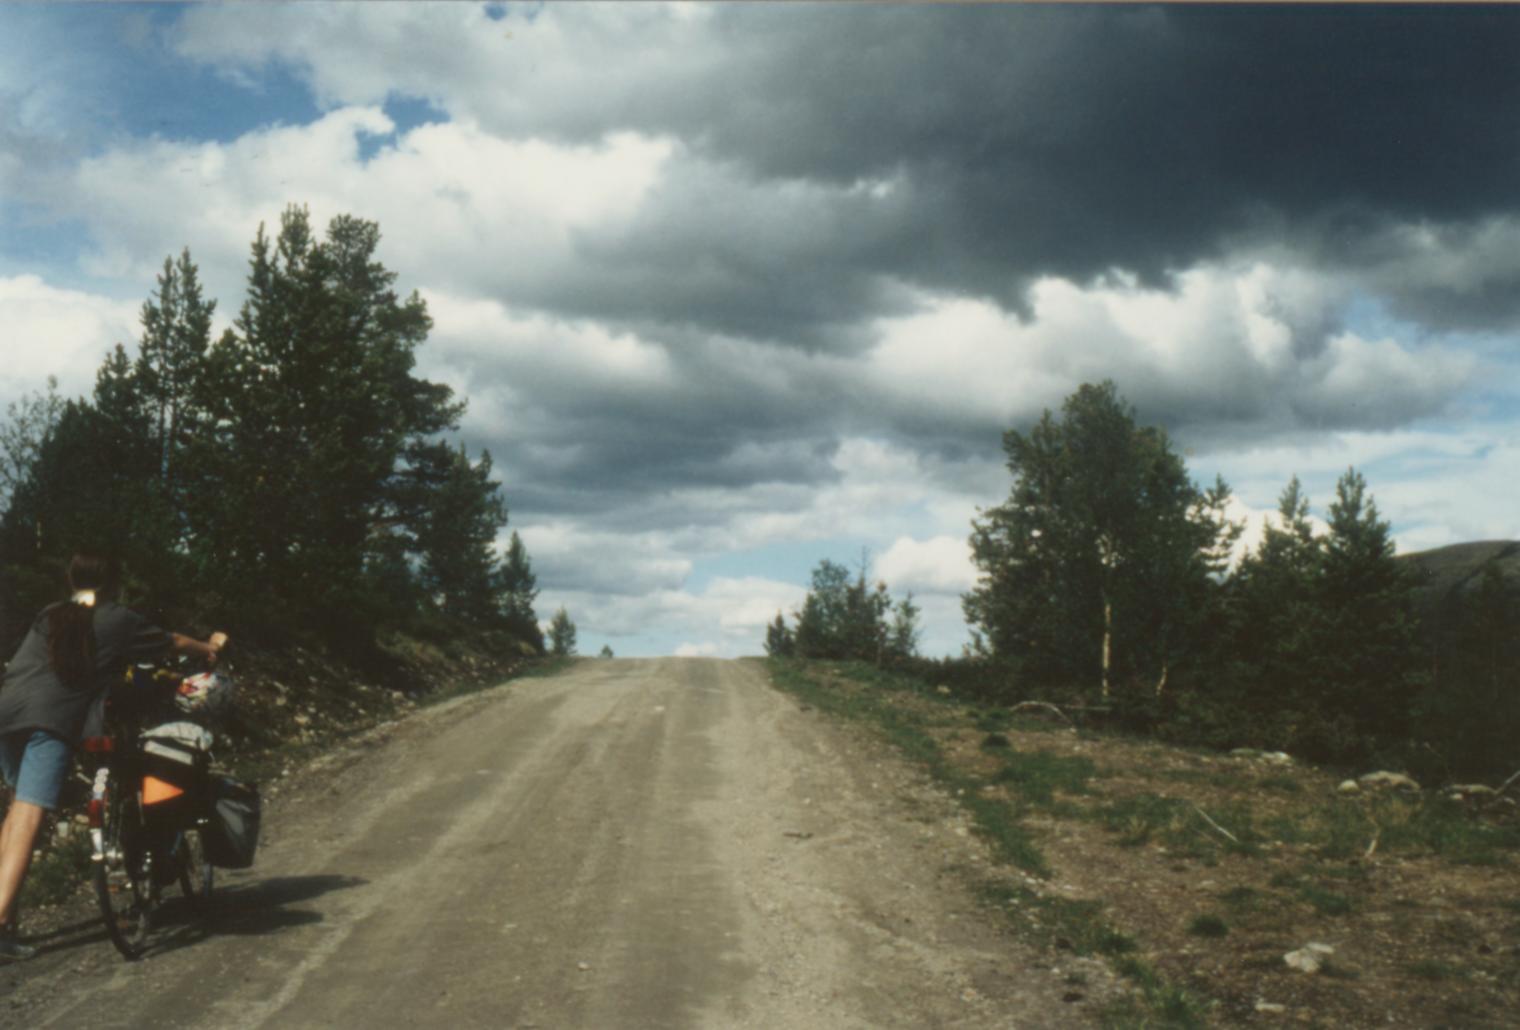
<point x="35" y="763"/>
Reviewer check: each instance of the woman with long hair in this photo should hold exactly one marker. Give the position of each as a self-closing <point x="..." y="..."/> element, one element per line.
<point x="73" y="653"/>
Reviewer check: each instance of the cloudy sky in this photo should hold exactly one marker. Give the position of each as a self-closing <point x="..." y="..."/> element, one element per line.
<point x="735" y="288"/>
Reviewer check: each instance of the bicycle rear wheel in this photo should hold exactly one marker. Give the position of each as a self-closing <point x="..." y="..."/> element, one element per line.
<point x="122" y="885"/>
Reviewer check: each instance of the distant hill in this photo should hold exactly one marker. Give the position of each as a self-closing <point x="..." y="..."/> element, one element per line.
<point x="1448" y="574"/>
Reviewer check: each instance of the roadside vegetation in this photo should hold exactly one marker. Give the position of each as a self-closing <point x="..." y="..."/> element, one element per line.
<point x="1110" y="581"/>
<point x="1225" y="800"/>
<point x="1194" y="874"/>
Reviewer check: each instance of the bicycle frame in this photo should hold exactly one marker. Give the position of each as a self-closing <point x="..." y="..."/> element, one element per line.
<point x="139" y="821"/>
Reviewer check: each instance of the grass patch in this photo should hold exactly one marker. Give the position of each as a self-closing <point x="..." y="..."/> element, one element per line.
<point x="1326" y="902"/>
<point x="995" y="820"/>
<point x="1159" y="1004"/>
<point x="999" y="824"/>
<point x="1281" y="784"/>
<point x="1343" y="828"/>
<point x="1242" y="899"/>
<point x="1069" y="924"/>
<point x="1445" y="828"/>
<point x="1150" y="818"/>
<point x="1038" y="775"/>
<point x="903" y="711"/>
<point x="1432" y="969"/>
<point x="1142" y="818"/>
<point x="991" y="720"/>
<point x="1224" y="779"/>
<point x="1208" y="925"/>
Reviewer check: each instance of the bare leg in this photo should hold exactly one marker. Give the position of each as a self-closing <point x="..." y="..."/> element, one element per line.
<point x="16" y="838"/>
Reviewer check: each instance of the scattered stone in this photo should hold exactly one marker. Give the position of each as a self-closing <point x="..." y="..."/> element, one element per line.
<point x="1270" y="757"/>
<point x="1471" y="792"/>
<point x="584" y="967"/>
<point x="1391" y="780"/>
<point x="942" y="689"/>
<point x="303" y="719"/>
<point x="1271" y="1008"/>
<point x="1310" y="958"/>
<point x="1349" y="787"/>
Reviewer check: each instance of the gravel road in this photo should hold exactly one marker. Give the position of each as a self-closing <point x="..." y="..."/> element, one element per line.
<point x="630" y="843"/>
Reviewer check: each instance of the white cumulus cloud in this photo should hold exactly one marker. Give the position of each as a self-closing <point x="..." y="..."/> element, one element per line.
<point x="941" y="565"/>
<point x="53" y="331"/>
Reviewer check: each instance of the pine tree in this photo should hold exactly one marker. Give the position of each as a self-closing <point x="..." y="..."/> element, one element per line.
<point x="457" y="516"/>
<point x="171" y="364"/>
<point x="842" y="618"/>
<point x="902" y="637"/>
<point x="1278" y="626"/>
<point x="516" y="590"/>
<point x="1372" y="653"/>
<point x="779" y="642"/>
<point x="315" y="405"/>
<point x="561" y="635"/>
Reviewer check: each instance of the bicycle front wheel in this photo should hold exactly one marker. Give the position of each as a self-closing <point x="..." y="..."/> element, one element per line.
<point x="122" y="886"/>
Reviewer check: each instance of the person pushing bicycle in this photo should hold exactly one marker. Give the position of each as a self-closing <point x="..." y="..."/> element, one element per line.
<point x="54" y="686"/>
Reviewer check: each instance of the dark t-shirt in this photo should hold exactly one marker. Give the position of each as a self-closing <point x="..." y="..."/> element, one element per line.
<point x="34" y="698"/>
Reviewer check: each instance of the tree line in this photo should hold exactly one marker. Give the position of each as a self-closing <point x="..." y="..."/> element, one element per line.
<point x="294" y="476"/>
<point x="843" y="618"/>
<point x="1108" y="577"/>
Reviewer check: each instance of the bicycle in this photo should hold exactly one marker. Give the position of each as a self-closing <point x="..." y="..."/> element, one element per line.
<point x="150" y="805"/>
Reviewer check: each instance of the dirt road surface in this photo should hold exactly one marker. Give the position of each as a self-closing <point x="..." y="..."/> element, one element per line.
<point x="640" y="843"/>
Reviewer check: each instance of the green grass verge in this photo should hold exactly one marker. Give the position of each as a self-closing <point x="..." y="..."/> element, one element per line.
<point x="1160" y="1004"/>
<point x="1038" y="781"/>
<point x="1208" y="925"/>
<point x="994" y="819"/>
<point x="1039" y="775"/>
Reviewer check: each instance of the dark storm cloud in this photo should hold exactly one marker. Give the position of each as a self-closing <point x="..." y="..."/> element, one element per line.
<point x="831" y="165"/>
<point x="1071" y="141"/>
<point x="1018" y="141"/>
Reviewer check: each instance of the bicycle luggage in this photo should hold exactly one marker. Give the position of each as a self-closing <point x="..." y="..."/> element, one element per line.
<point x="175" y="768"/>
<point x="232" y="834"/>
<point x="205" y="698"/>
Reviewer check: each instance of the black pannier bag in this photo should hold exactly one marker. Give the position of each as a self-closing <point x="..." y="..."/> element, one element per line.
<point x="176" y="785"/>
<point x="231" y="835"/>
